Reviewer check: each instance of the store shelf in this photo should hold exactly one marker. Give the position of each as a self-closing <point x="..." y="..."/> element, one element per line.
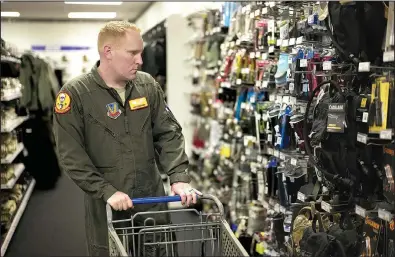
<point x="8" y="96"/>
<point x="11" y="157"/>
<point x="17" y="217"/>
<point x="5" y="58"/>
<point x="13" y="124"/>
<point x="18" y="170"/>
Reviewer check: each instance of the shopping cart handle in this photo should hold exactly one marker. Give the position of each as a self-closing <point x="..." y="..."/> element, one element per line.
<point x="159" y="199"/>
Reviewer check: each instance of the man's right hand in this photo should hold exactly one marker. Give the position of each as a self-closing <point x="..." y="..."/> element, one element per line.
<point x="120" y="201"/>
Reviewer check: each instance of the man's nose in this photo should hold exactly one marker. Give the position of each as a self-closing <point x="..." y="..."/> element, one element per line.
<point x="139" y="60"/>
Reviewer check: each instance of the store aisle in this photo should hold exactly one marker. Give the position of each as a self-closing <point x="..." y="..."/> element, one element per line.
<point x="53" y="224"/>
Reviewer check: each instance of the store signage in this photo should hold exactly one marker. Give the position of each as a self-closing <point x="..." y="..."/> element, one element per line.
<point x="59" y="48"/>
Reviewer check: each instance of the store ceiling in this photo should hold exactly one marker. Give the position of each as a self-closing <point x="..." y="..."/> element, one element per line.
<point x="41" y="10"/>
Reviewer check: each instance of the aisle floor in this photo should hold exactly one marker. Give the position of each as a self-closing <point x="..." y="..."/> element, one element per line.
<point x="53" y="223"/>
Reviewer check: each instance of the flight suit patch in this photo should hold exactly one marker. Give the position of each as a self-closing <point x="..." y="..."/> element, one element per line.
<point x="138" y="103"/>
<point x="113" y="110"/>
<point x="62" y="103"/>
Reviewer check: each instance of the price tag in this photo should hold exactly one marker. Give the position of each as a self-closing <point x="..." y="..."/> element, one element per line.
<point x="279" y="98"/>
<point x="259" y="159"/>
<point x="292" y="100"/>
<point x="270" y="151"/>
<point x="272" y="98"/>
<point x="277" y="207"/>
<point x="277" y="153"/>
<point x="238" y="41"/>
<point x="264" y="10"/>
<point x="257" y="54"/>
<point x="239" y="134"/>
<point x="303" y="63"/>
<point x="292" y="41"/>
<point x="385" y="215"/>
<point x="388" y="56"/>
<point x="327" y="65"/>
<point x="245" y="70"/>
<point x="364" y="67"/>
<point x="365" y="117"/>
<point x="386" y="134"/>
<point x="299" y="40"/>
<point x="243" y="158"/>
<point x="291" y="86"/>
<point x="252" y="55"/>
<point x="305" y="87"/>
<point x="257" y="12"/>
<point x="252" y="15"/>
<point x="248" y="151"/>
<point x="271" y="49"/>
<point x="258" y="83"/>
<point x="279" y="42"/>
<point x="362" y="138"/>
<point x="269" y="137"/>
<point x="282" y="156"/>
<point x="285" y="43"/>
<point x="360" y="211"/>
<point x="294" y="161"/>
<point x="265" y="204"/>
<point x="232" y="44"/>
<point x="282" y="209"/>
<point x="310" y="20"/>
<point x="264" y="84"/>
<point x="286" y="99"/>
<point x="301" y="197"/>
<point x="326" y="206"/>
<point x="272" y="4"/>
<point x="238" y="81"/>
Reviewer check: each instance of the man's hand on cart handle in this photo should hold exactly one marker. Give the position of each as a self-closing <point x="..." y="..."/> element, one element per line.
<point x="187" y="193"/>
<point x="120" y="201"/>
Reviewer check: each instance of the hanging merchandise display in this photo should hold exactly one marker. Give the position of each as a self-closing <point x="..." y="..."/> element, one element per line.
<point x="296" y="123"/>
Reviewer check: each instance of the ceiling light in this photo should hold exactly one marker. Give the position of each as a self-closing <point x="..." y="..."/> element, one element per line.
<point x="92" y="15"/>
<point x="95" y="3"/>
<point x="10" y="14"/>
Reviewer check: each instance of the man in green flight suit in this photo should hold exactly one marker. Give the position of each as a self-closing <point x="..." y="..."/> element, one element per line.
<point x="108" y="126"/>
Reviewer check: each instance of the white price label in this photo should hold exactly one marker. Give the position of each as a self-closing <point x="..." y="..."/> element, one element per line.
<point x="257" y="12"/>
<point x="252" y="55"/>
<point x="385" y="215"/>
<point x="360" y="211"/>
<point x="279" y="42"/>
<point x="305" y="87"/>
<point x="239" y="134"/>
<point x="272" y="4"/>
<point x="282" y="209"/>
<point x="226" y="136"/>
<point x="282" y="156"/>
<point x="264" y="10"/>
<point x="292" y="41"/>
<point x="364" y="67"/>
<point x="272" y="98"/>
<point x="238" y="41"/>
<point x="277" y="207"/>
<point x="248" y="151"/>
<point x="277" y="153"/>
<point x="286" y="99"/>
<point x="386" y="134"/>
<point x="310" y="20"/>
<point x="292" y="100"/>
<point x="270" y="151"/>
<point x="238" y="81"/>
<point x="299" y="40"/>
<point x="291" y="86"/>
<point x="252" y="15"/>
<point x="258" y="83"/>
<point x="294" y="161"/>
<point x="362" y="138"/>
<point x="232" y="44"/>
<point x="243" y="158"/>
<point x="264" y="56"/>
<point x="265" y="204"/>
<point x="259" y="159"/>
<point x="285" y="43"/>
<point x="326" y="206"/>
<point x="257" y="54"/>
<point x="279" y="98"/>
<point x="388" y="56"/>
<point x="303" y="63"/>
<point x="301" y="197"/>
<point x="269" y="137"/>
<point x="365" y="117"/>
<point x="327" y="65"/>
<point x="271" y="49"/>
<point x="264" y="84"/>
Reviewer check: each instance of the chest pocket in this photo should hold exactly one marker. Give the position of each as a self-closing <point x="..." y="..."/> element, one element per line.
<point x="102" y="144"/>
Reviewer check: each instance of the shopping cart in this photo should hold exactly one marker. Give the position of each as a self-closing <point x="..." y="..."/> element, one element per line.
<point x="210" y="235"/>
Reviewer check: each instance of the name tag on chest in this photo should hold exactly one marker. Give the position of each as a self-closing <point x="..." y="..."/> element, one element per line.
<point x="138" y="103"/>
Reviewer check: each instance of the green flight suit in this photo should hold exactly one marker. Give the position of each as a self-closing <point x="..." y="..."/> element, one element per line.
<point x="103" y="155"/>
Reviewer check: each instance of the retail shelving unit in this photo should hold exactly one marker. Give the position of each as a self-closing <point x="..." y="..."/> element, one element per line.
<point x="16" y="184"/>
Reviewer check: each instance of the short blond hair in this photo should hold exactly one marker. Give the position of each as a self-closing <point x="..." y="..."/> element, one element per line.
<point x="113" y="30"/>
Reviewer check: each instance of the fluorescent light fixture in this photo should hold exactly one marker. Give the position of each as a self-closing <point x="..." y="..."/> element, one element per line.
<point x="10" y="14"/>
<point x="95" y="3"/>
<point x="92" y="15"/>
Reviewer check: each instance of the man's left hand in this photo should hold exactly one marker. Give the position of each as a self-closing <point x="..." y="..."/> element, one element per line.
<point x="187" y="193"/>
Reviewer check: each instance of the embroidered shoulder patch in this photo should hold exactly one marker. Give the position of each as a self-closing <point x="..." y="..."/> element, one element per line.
<point x="63" y="103"/>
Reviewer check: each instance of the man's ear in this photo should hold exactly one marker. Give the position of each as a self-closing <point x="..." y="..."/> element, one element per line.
<point x="107" y="51"/>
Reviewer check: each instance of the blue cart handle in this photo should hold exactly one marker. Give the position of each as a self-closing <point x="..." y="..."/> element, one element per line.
<point x="159" y="199"/>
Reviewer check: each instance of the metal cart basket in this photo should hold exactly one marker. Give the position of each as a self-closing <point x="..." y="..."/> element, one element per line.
<point x="209" y="235"/>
